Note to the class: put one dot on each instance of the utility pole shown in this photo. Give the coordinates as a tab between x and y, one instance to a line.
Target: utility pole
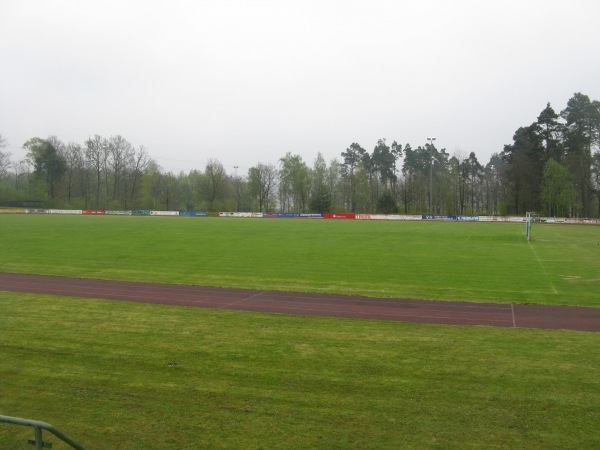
431	175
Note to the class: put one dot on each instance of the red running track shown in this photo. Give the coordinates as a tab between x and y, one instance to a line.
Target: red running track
405	310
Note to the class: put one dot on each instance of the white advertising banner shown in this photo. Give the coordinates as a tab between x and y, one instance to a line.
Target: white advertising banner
164	213
240	214
405	217
64	211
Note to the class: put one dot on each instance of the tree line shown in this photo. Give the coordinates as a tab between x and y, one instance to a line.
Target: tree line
551	167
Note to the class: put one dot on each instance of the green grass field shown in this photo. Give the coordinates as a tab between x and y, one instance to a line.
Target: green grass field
453	261
99	370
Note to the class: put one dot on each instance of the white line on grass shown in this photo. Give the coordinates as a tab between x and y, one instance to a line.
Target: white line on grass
242	300
512	308
543	268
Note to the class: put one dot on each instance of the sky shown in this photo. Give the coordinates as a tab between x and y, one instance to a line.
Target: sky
245	82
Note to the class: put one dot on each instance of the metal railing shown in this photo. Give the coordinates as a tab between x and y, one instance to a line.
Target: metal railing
38	427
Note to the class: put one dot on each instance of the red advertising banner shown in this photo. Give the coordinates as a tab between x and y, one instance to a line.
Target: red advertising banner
339	216
93	211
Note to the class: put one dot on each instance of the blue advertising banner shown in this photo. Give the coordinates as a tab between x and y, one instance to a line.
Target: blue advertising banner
192	213
280	215
433	217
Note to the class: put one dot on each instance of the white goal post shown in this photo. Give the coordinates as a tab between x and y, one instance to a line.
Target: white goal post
529	219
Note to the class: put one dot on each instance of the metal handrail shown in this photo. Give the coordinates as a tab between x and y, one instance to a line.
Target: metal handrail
38	427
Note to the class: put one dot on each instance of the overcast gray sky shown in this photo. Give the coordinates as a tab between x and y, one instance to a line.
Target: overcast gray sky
247	81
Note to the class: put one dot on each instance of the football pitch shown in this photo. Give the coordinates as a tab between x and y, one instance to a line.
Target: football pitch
484	262
128	375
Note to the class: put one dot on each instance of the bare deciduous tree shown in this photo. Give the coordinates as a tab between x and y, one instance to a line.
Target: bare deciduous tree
261	183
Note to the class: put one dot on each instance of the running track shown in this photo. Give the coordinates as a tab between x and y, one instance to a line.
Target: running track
424	311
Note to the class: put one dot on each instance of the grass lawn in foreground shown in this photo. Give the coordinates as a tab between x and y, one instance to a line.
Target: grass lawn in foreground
487	262
99	371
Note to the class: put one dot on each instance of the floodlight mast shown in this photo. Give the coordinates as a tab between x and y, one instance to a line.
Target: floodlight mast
431	176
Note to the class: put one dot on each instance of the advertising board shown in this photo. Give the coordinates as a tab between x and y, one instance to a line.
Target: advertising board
272	215
164	213
339	216
239	214
192	213
64	211
405	217
12	211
